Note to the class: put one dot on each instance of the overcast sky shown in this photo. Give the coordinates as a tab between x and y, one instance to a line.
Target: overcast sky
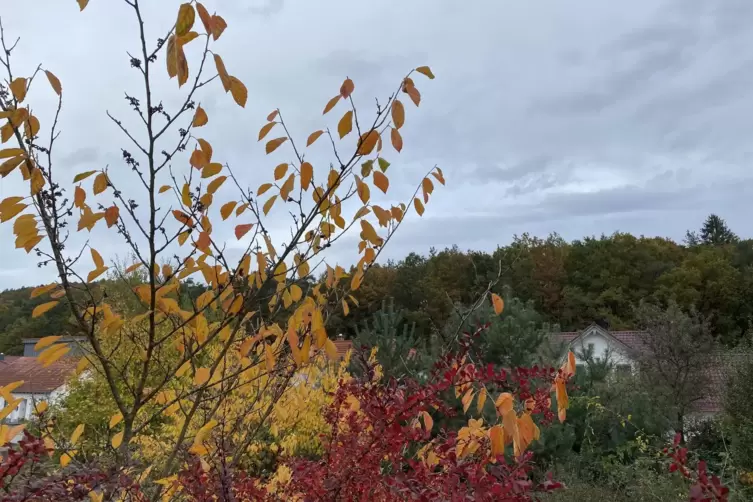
579	117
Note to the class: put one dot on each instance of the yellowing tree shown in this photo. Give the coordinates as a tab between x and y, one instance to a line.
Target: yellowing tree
218	367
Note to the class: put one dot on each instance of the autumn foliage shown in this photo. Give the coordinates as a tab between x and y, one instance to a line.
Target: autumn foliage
212	372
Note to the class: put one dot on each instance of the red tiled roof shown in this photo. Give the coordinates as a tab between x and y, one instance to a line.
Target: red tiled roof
719	369
36	378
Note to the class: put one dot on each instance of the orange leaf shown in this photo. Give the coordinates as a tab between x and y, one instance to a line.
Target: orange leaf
226	209
498	303
397	140
218	26
111	215
238	90
200	117
203	242
425	70
346	124
215	184
307	174
313	137
183	218
381	181
265	130
331	104
272	145
242	230
347	88
268	205
398	114
367	142
54	82
364	193
280	171
272	115
211	170
206	19
263	188
222	72
201	376
79	196
427	186
419	206
198	159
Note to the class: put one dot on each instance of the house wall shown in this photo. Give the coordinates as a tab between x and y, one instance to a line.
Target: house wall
25	410
602	345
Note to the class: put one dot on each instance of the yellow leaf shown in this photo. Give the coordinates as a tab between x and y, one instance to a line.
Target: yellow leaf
97	258
115	419
481	400
398	114
31	127
77	434
65	458
117	440
381	181
100	183
41	309
96	273
186	17
239	91
287	187
346	124
498	303
211	169
425	70
346	310
200	118
133	267
263	188
39	291
215	184
11	152
183	369
269	357
268	205
40	407
467	399
313	137
83	363
96	496
201	376
227	209
419	206
397	140
52	354
272	145
18	88
37	181
330	349
54	81
331	104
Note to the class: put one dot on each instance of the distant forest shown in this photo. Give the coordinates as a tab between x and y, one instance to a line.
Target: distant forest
570	284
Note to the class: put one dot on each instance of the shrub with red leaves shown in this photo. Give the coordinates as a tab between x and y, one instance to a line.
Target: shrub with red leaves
704	487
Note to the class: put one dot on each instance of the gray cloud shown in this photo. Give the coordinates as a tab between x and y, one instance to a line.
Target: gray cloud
632	116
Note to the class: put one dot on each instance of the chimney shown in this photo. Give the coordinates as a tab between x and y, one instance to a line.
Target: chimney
2	356
340	336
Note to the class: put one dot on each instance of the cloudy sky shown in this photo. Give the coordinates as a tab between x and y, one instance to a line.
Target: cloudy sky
580	117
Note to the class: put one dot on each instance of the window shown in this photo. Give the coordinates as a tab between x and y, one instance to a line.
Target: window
623	369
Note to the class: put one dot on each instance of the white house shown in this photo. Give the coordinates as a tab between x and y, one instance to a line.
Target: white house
39	383
624	349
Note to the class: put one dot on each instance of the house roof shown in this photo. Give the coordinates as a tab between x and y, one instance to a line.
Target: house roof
722	362
36	378
342	346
